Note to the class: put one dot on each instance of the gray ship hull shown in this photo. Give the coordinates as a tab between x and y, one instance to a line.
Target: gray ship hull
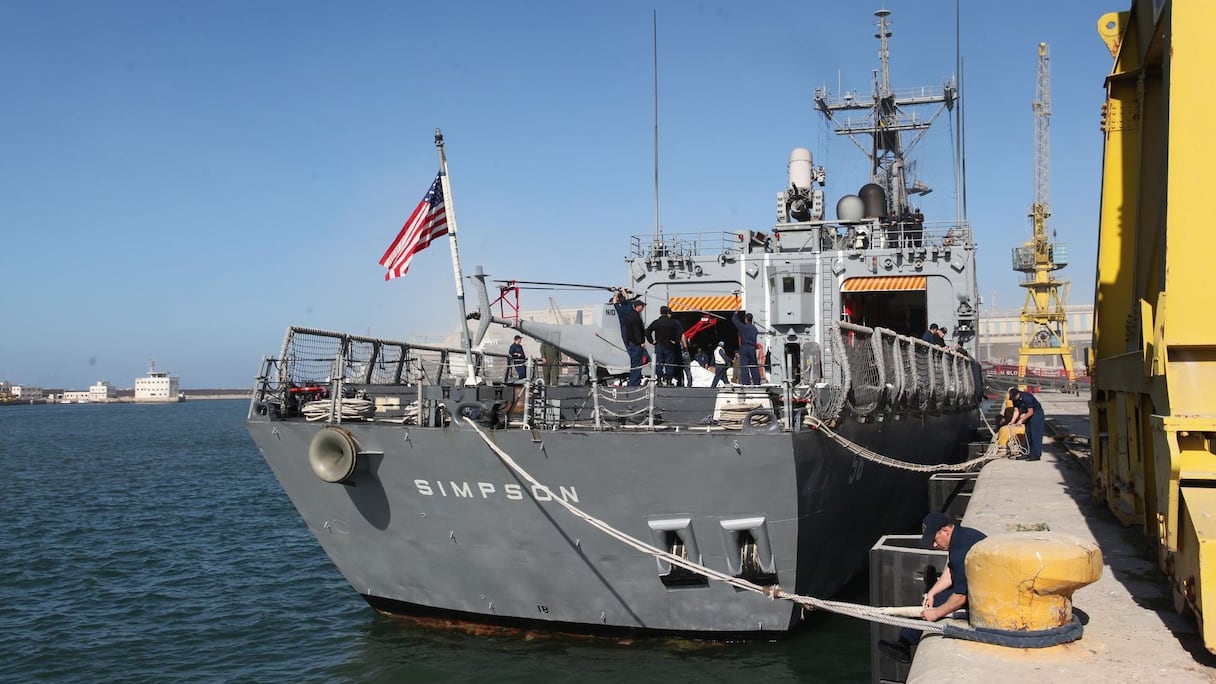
435	524
828	321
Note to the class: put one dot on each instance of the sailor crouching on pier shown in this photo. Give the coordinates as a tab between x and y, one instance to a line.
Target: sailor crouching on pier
949	593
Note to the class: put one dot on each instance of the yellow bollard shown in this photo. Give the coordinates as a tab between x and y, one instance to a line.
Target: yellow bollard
1025	581
1008	432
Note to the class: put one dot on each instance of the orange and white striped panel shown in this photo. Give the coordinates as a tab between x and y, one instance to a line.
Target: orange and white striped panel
884	284
717	303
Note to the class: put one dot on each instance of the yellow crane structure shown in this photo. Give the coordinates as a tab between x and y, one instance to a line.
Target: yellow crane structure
1044	322
1153	360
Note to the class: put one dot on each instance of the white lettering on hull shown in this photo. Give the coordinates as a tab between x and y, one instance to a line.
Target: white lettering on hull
488	490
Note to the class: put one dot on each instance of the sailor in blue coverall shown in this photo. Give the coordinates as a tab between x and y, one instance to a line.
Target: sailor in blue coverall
749	366
949	592
1029	412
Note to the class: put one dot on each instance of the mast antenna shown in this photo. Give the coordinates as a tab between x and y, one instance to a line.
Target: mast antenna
884	55
654	23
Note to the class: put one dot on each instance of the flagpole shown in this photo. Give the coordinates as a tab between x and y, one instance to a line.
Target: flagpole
450	209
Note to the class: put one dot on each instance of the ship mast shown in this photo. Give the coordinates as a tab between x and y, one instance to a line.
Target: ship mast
885	117
1044	321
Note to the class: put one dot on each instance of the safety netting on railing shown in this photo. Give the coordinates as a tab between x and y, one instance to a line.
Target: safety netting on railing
875	369
865	389
320	357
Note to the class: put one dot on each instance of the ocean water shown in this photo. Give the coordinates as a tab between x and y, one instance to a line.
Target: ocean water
151	543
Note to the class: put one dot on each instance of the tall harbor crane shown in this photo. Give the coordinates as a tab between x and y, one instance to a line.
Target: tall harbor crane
1044	324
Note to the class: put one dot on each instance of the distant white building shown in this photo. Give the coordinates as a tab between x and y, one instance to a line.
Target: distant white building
76	397
26	393
158	386
102	391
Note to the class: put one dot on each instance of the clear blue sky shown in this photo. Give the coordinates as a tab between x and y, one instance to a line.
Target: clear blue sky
181	181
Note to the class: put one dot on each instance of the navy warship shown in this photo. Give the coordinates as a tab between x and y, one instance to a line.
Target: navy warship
384	446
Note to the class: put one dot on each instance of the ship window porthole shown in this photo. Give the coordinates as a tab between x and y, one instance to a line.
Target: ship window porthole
808	284
787	284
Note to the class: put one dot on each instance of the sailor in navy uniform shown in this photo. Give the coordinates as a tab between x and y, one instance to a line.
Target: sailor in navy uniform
518	357
1029	412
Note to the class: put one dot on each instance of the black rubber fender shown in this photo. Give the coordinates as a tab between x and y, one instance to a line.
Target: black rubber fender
1040	638
774	424
460	410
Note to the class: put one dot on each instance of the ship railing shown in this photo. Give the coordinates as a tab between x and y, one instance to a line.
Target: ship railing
859	100
920	240
321	365
877	370
870	372
927	236
685	245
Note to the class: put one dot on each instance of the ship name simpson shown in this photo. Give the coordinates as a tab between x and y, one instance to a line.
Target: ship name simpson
512	492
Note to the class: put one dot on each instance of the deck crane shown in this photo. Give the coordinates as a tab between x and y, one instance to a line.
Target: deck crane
1044	322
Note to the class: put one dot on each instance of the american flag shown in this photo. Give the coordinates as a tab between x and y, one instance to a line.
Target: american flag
428	222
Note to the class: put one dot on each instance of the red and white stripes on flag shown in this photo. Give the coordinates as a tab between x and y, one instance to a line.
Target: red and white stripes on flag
428	222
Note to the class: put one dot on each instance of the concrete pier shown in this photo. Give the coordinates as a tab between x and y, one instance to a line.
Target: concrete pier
1132	632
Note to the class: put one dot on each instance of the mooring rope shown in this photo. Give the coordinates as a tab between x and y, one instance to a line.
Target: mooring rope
1016	449
349	407
990	454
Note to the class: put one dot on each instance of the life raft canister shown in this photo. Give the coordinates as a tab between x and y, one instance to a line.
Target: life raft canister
332	454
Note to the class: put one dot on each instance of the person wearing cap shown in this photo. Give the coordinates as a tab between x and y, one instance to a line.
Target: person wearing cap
721	364
666	334
749	366
1029	412
623	304
635	341
949	592
941	336
629	316
518	357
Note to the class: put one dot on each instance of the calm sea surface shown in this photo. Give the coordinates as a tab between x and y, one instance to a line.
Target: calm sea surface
152	543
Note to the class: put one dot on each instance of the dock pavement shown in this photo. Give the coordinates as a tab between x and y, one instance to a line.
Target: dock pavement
1132	632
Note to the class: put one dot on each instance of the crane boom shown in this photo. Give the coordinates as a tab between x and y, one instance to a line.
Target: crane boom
1042	143
1044	320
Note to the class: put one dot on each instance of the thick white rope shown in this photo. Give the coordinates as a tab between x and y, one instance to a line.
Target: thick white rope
887	615
350	408
990	454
